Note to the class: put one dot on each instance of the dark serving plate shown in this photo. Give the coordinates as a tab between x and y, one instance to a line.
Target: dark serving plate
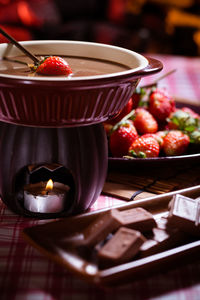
192	157
50	239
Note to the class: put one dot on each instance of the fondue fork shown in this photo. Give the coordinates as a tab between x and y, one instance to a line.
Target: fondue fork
19	46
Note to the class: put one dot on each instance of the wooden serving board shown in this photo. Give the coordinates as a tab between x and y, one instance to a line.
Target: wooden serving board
135	185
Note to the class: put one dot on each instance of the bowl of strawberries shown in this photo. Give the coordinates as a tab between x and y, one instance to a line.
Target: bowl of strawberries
152	129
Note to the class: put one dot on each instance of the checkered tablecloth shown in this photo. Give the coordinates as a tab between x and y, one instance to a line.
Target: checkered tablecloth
27	275
184	83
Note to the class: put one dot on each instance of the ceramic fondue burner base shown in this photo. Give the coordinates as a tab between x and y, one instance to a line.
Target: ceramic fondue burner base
74	156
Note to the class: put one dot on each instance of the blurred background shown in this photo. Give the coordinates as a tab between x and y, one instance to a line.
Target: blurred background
145	26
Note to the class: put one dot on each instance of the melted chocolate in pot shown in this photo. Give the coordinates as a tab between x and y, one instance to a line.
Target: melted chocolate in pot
80	66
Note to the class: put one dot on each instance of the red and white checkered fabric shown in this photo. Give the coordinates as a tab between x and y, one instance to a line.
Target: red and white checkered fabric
27	275
184	82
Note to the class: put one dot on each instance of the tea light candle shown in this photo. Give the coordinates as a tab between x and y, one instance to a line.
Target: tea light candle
45	197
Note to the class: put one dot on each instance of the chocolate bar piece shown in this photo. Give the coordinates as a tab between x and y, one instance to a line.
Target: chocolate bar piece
161	240
184	213
124	245
99	229
135	218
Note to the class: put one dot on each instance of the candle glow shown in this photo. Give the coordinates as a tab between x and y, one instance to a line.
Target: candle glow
49	185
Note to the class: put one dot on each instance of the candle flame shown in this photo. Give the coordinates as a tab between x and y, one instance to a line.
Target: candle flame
49	185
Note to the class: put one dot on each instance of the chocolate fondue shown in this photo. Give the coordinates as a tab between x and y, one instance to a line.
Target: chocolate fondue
81	66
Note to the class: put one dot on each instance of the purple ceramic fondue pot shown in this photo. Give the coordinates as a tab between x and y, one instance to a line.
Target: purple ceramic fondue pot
51	127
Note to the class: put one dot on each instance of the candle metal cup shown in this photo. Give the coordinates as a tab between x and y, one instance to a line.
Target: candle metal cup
38	199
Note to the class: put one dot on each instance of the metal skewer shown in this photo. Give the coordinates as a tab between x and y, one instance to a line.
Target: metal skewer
158	79
18	45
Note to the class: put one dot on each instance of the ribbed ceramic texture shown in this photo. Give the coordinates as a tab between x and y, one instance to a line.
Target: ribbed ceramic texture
47	105
81	150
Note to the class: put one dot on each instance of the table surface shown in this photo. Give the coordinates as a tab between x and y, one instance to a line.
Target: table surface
27	274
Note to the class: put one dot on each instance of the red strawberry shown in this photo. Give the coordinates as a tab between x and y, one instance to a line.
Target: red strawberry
175	143
161	104
107	127
144	121
144	147
121	139
191	112
138	97
54	65
156	136
126	110
161	135
182	120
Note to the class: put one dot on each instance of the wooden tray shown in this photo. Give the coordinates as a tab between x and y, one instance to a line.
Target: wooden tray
47	238
140	184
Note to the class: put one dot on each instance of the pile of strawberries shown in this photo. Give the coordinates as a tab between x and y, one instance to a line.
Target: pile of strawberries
151	125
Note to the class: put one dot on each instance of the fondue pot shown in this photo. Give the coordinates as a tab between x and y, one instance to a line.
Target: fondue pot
51	127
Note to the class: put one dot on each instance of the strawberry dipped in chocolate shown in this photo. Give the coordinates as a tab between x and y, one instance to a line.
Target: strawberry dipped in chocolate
53	66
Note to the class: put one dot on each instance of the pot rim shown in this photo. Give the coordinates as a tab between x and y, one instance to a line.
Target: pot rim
95	50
